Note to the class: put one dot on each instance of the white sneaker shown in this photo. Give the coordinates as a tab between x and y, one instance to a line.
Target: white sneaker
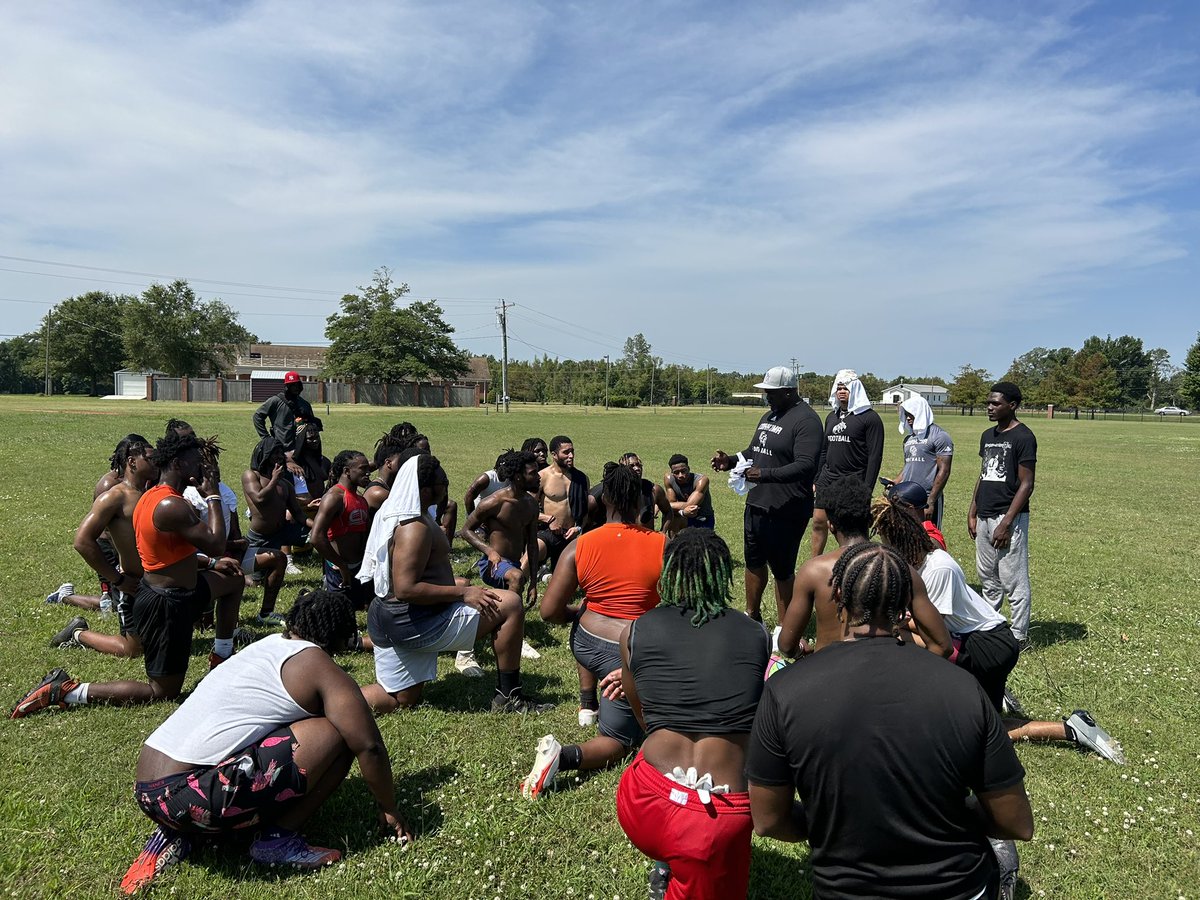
466	663
1083	728
775	638
527	651
545	767
292	568
588	717
65	590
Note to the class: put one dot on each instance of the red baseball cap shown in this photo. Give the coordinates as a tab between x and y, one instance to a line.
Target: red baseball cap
291	378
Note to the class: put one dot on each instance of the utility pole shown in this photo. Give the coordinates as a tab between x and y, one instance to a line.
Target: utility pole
652	368
503	317
606	366
795	368
677	370
49	384
708	372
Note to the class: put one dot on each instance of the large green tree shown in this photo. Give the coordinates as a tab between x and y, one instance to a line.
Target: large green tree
1130	365
970	387
1094	382
170	329
1189	382
17	358
87	341
374	338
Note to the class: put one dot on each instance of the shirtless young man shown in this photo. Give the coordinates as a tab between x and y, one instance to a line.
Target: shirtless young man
421	610
340	528
849	513
112	514
271	496
510	519
563	498
178	586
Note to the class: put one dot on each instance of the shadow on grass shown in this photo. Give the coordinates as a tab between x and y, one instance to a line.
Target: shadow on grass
457	693
1045	634
774	874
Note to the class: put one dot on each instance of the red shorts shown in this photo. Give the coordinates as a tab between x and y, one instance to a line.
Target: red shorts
706	846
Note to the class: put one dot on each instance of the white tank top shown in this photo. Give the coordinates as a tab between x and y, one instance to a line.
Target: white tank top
238	703
494	484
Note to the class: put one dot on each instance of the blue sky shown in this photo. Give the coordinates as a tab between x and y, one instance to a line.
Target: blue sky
894	187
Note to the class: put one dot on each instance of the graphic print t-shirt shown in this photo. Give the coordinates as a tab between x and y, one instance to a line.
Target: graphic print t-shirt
1000	453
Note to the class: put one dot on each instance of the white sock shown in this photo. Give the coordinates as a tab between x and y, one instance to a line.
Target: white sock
775	638
77	696
223	647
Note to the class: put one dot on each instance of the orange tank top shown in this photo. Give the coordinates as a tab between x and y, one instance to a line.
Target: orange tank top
158	549
618	567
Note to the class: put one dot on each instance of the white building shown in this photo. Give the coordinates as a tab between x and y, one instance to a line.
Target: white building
934	394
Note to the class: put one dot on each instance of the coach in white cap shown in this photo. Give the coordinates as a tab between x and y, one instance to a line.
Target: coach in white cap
783	459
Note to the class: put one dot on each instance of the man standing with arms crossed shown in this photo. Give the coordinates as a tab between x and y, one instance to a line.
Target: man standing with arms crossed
998	521
784	454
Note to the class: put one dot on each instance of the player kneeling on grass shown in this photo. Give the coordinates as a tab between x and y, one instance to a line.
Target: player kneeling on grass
261	743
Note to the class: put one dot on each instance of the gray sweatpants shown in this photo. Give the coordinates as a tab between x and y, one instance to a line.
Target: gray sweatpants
1006	571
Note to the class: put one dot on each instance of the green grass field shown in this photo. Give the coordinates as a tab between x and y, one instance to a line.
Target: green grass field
1116	614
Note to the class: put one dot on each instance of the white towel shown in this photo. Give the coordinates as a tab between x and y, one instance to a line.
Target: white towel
858	402
737	476
921	413
403	502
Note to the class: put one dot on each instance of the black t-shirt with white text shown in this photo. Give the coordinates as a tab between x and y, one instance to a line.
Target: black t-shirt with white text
853	446
883	742
787	450
1001	452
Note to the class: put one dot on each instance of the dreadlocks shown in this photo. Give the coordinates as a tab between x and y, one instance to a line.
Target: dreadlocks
697	573
430	471
177	425
341	463
623	492
902	531
324	617
872	581
387	447
172	446
132	445
511	462
531	444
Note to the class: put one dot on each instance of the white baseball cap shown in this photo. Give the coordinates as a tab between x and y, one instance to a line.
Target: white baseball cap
777	378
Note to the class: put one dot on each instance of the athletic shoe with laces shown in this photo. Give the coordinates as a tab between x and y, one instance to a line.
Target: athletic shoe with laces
515	703
243	637
658	879
292	568
164	848
52	691
545	767
65	590
588	717
1009	864
270	620
528	652
65	639
465	662
1012	706
286	848
1082	728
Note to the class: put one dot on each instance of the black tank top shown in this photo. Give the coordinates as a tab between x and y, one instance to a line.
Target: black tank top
704	680
683	489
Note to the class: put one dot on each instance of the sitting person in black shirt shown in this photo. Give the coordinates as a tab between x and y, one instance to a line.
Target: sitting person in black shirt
901	763
693	675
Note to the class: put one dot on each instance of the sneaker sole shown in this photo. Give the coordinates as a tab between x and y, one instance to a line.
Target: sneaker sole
535	783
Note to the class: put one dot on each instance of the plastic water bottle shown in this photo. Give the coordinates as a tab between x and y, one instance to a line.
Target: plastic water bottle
106	604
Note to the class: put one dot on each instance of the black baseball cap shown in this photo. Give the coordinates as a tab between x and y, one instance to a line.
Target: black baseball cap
908	492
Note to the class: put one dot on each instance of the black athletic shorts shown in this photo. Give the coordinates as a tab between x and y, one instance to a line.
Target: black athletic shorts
989	656
772	538
361	593
290	535
109	552
163	619
555	545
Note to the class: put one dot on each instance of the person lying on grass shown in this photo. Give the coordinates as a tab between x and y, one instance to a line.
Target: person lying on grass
261	744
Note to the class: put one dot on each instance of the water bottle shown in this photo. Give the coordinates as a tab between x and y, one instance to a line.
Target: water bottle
106	604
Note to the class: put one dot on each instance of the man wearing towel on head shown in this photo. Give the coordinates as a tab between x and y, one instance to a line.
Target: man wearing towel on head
928	454
853	446
420	609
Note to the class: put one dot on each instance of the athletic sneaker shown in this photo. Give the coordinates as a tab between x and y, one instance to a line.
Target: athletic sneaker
270	620
1012	705
515	703
527	651
465	662
588	717
292	568
215	659
1024	644
1009	864
52	691
65	590
65	639
1082	729
164	848
287	848
775	633
545	767
243	637
658	880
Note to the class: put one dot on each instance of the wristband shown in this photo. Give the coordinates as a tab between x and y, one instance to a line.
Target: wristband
210	499
212	563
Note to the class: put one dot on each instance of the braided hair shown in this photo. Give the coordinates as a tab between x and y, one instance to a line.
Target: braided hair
898	529
870	581
623	492
697	574
402	430
132	445
531	444
324	617
177	425
342	462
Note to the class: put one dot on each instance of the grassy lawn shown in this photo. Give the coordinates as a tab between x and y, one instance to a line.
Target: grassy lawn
1116	612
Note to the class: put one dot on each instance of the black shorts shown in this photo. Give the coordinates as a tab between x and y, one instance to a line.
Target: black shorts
109	552
361	593
555	545
772	538
989	656
239	792
290	535
163	619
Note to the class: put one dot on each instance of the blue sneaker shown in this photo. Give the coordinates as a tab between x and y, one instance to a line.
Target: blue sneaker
65	590
286	848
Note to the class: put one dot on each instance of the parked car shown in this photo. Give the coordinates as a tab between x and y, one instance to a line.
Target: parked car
1171	411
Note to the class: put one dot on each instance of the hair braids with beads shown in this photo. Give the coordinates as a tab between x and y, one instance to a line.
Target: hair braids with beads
872	581
697	574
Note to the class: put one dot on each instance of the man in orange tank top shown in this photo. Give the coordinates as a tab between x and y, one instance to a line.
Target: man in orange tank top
184	574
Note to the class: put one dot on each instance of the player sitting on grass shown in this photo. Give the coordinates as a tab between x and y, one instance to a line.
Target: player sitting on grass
261	744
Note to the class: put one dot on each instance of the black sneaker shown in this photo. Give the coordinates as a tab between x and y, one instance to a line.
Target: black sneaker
515	703
1012	706
65	639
